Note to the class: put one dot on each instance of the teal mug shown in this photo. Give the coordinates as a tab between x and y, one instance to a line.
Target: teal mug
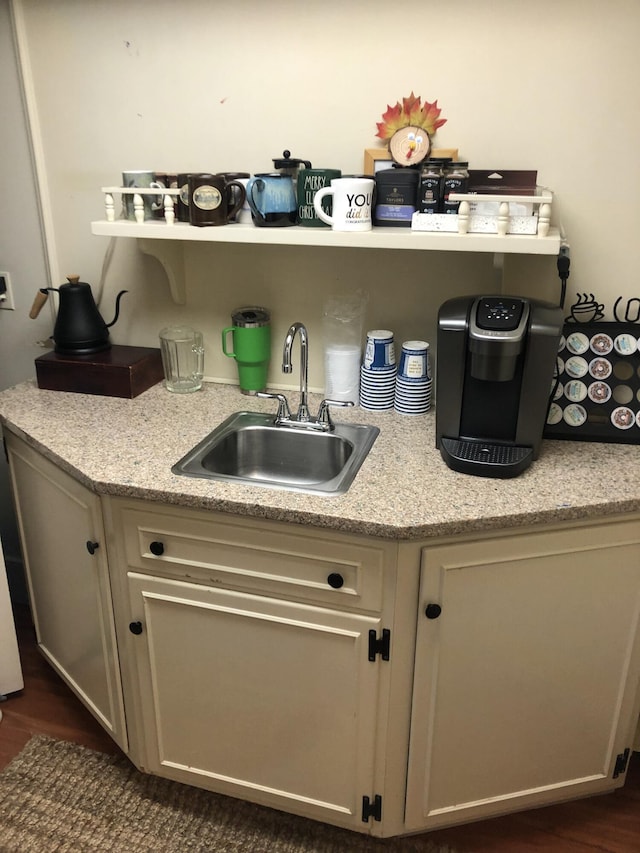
251	347
272	200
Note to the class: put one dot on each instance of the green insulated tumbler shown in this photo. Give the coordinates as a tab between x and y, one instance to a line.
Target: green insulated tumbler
251	346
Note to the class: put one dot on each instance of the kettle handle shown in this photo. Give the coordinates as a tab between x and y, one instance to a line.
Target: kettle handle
118	298
42	294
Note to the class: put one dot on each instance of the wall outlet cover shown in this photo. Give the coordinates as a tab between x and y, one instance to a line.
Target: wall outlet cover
6	293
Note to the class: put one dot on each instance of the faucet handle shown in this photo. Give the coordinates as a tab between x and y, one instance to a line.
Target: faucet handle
283	413
324	415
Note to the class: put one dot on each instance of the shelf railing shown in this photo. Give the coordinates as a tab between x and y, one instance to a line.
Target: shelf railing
168	201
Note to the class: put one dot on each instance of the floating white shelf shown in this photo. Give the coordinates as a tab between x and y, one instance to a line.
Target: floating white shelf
297	235
165	241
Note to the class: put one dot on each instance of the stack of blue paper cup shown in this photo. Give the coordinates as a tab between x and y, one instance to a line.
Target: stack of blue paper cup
378	371
413	381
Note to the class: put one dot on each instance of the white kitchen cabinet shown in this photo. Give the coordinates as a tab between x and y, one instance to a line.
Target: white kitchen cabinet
257	673
65	559
256	697
527	662
386	687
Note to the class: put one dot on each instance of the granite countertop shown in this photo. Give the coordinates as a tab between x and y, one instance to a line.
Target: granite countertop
403	491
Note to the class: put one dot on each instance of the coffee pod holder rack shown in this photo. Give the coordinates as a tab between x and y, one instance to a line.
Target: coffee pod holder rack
597	387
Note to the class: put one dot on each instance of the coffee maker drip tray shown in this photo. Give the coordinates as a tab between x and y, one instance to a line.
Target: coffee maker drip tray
484	459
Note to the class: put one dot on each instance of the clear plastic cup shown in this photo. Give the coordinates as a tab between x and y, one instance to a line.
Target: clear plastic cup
342	372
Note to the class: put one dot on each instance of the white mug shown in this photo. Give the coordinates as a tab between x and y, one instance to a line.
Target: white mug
352	201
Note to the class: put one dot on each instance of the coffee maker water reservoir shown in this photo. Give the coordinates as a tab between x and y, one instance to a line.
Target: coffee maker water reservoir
495	368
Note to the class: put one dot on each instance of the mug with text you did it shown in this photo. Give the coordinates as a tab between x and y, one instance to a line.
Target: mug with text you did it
352	202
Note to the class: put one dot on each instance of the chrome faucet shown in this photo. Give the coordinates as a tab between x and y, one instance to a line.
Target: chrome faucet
303	409
303	419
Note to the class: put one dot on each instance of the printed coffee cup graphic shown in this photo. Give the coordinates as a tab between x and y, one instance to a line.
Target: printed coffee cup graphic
586	310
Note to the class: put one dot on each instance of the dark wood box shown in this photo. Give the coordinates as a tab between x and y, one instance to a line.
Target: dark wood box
117	372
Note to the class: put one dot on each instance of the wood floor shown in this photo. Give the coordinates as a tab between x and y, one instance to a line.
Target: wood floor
46	705
605	824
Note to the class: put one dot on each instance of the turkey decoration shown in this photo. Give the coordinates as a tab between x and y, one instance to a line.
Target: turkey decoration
408	127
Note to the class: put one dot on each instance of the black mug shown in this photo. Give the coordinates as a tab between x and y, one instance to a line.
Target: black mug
211	199
182	201
243	178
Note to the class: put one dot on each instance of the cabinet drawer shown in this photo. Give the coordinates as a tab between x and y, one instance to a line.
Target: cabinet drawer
225	551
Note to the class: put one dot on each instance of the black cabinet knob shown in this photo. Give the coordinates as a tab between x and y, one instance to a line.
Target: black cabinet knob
432	611
92	547
157	549
135	627
335	580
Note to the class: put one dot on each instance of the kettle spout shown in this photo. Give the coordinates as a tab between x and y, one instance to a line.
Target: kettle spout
115	319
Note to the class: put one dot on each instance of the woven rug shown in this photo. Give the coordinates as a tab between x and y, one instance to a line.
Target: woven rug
57	797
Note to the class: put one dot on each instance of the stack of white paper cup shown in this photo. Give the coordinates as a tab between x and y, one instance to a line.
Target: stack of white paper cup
342	372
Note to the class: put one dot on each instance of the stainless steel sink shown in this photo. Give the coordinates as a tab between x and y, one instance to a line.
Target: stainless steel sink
248	448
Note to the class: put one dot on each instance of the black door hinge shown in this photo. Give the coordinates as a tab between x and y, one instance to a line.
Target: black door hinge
621	763
372	809
379	646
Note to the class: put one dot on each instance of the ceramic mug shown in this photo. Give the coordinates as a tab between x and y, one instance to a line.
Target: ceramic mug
272	199
144	179
213	200
182	200
310	181
352	202
244	213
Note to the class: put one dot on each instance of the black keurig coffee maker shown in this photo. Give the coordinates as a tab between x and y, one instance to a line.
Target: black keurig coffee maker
495	368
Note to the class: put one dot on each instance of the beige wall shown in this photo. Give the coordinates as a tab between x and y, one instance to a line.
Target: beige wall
204	85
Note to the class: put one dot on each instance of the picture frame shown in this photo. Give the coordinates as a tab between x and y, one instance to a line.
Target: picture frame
376	159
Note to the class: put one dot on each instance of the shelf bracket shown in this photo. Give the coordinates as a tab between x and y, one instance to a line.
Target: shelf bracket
170	254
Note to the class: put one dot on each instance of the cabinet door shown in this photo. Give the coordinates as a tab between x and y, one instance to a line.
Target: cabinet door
267	700
526	683
68	587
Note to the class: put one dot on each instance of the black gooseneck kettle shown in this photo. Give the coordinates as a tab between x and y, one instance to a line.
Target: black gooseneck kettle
79	327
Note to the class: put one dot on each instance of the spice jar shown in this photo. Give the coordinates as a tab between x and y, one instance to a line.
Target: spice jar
430	187
456	180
